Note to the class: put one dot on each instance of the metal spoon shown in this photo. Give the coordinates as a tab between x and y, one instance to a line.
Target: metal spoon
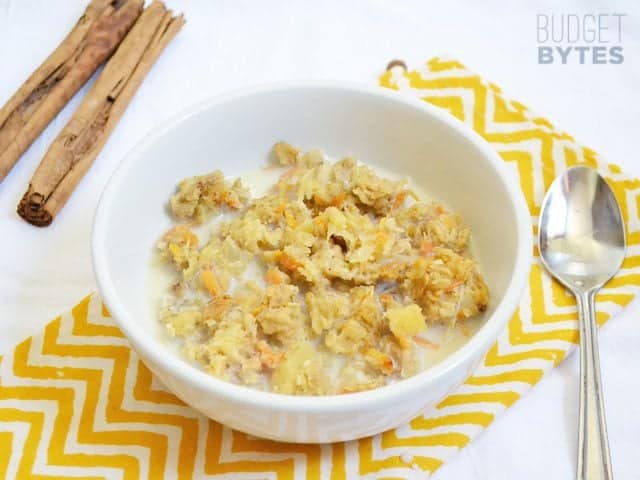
582	243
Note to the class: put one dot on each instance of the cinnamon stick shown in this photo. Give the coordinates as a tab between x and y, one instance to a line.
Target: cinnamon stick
93	39
76	147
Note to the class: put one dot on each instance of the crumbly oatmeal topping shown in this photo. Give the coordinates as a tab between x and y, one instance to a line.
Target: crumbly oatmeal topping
354	268
199	198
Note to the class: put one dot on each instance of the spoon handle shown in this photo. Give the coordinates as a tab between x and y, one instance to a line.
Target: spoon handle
594	461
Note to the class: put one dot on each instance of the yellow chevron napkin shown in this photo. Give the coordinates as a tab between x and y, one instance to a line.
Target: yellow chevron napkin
76	401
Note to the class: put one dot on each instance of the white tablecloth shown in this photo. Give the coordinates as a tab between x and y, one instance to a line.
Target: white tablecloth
233	43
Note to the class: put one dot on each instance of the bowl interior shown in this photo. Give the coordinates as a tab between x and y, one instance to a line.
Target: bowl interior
235	134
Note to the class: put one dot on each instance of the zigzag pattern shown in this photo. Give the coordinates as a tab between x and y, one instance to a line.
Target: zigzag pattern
76	402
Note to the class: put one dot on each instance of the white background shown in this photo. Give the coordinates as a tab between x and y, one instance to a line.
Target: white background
230	44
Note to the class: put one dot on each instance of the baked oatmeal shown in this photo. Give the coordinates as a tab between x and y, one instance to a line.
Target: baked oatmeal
352	270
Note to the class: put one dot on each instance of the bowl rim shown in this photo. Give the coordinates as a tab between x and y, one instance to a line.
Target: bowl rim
152	349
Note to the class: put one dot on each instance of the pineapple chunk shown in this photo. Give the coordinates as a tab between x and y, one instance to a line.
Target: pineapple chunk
183	323
405	322
285	153
301	372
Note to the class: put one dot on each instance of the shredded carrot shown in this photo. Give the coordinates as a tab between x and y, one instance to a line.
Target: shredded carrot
216	307
210	283
380	359
454	285
288	262
183	233
440	209
274	277
426	248
338	199
387	364
423	342
268	357
386	299
399	199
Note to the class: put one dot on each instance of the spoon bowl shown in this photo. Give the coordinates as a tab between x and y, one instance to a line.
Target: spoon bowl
582	243
582	240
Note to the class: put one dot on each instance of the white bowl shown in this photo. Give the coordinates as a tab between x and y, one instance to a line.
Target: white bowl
234	133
